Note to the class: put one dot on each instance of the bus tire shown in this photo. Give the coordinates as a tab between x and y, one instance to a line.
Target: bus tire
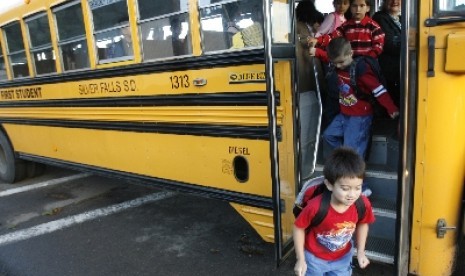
11	168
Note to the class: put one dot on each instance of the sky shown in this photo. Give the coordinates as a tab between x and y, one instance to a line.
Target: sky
6	4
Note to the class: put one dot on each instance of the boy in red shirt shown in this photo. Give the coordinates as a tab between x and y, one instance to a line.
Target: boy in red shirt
352	126
326	249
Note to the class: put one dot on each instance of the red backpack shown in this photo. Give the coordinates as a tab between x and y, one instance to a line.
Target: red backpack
313	188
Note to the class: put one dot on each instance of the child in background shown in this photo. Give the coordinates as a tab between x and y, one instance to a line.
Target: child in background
308	20
309	79
389	60
326	249
365	35
334	19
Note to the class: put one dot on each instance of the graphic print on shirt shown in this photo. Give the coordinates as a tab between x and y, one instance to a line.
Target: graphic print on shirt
345	97
338	238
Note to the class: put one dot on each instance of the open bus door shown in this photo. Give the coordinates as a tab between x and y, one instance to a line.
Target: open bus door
279	55
283	241
294	118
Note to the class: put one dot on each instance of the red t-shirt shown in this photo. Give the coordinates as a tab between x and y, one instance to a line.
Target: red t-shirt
330	240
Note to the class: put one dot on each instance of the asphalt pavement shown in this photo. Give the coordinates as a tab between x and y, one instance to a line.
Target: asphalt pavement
176	235
89	225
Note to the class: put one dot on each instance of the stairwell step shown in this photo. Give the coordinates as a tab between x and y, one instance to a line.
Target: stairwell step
379	250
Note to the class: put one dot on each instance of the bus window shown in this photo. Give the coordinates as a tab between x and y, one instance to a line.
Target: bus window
41	44
450	6
281	21
15	50
231	25
164	28
3	75
111	30
72	41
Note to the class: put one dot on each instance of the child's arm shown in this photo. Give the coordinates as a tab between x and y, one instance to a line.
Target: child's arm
326	25
299	242
377	42
319	53
361	237
386	101
370	82
321	41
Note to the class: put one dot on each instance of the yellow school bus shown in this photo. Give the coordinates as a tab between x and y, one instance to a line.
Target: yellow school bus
205	97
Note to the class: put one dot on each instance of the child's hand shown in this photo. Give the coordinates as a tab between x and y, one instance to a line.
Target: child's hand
394	115
311	41
312	51
300	267
362	260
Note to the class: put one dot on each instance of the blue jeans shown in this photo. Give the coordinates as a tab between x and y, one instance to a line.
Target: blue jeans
320	267
350	131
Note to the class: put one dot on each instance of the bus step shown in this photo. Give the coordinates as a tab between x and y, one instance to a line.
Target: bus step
384	188
379	250
383	207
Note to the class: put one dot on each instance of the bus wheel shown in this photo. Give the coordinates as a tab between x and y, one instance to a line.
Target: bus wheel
11	168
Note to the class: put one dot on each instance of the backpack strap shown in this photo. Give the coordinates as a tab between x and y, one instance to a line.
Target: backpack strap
361	208
357	68
331	82
354	72
322	209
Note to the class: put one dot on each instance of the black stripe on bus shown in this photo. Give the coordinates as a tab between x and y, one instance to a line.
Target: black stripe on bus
210	99
255	56
230	196
246	132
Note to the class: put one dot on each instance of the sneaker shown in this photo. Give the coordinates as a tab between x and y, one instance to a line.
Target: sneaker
366	192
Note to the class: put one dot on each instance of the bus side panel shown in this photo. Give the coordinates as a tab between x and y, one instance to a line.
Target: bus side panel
440	161
160	125
205	161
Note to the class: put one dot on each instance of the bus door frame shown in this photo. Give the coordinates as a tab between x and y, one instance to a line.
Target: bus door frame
408	122
272	51
274	154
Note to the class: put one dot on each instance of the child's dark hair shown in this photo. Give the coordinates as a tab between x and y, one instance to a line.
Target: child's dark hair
344	162
307	13
337	47
367	2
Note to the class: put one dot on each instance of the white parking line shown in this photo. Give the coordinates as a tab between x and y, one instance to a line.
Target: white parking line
59	224
43	184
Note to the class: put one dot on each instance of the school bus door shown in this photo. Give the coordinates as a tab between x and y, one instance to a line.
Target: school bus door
279	55
440	151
